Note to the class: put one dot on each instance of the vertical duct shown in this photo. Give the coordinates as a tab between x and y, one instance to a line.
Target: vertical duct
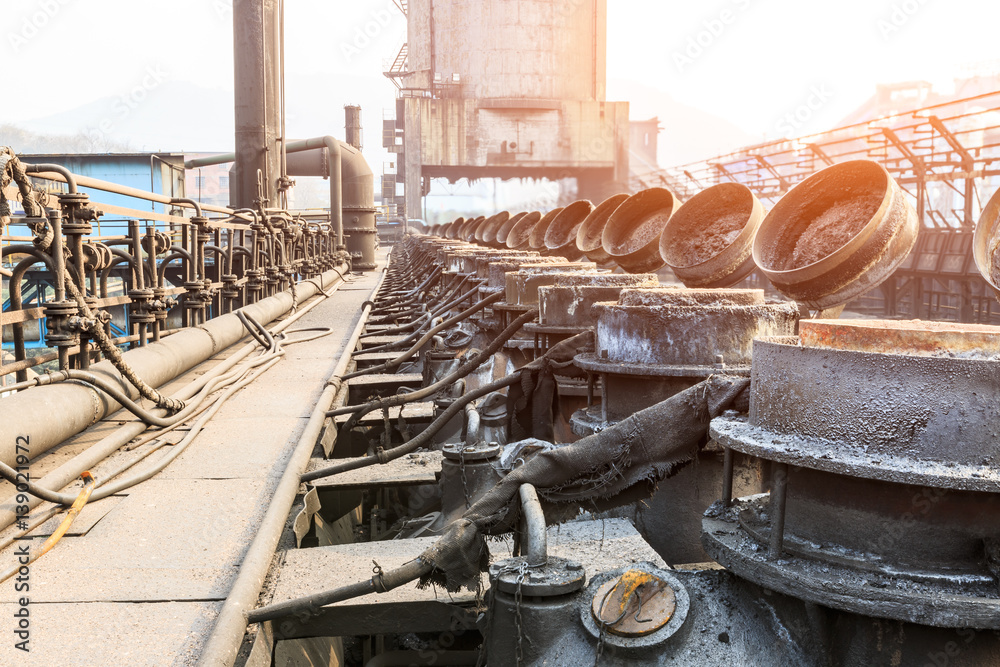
359	208
258	113
352	124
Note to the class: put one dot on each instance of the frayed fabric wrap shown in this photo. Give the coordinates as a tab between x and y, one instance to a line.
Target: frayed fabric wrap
616	466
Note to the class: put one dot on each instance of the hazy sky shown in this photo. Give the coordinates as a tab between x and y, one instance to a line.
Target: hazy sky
748	61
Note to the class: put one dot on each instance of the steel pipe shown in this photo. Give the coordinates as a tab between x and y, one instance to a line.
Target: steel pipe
534	540
28	414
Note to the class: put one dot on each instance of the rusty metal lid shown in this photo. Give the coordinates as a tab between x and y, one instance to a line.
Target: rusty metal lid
634	607
913	337
588	236
635	604
632	234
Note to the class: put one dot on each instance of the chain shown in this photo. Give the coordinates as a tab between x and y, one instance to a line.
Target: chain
522	570
600	643
465	479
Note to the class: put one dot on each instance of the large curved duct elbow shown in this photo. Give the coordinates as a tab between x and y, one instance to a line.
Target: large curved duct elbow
352	191
352	188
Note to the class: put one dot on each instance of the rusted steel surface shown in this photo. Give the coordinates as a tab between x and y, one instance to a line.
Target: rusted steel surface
915	337
497	275
632	234
680	327
708	242
522	286
920	408
886	440
836	235
568	301
589	236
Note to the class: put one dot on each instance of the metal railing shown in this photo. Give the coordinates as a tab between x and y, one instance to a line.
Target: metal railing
183	271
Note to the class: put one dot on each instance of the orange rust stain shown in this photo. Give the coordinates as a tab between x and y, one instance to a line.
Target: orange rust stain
914	337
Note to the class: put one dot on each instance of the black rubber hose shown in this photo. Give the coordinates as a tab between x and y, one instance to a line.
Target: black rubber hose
423	318
433	331
418	441
472	364
403	342
391	366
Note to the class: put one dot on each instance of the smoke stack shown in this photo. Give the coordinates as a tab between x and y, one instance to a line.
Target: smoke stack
352	114
257	70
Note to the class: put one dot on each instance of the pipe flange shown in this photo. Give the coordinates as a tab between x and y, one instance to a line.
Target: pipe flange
481	451
558	576
943	603
590	362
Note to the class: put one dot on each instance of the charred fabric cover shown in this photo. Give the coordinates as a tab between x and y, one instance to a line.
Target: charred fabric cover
533	403
614	466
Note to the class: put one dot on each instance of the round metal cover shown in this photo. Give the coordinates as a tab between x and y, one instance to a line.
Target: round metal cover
635	604
667	618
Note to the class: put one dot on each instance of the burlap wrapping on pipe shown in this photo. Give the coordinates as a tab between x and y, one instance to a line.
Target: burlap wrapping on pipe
614	466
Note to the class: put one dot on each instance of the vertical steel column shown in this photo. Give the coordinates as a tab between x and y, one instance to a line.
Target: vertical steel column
779	494
256	72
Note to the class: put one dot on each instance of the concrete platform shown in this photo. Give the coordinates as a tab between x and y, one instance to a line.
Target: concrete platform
365	387
140	578
421	412
411	470
601	545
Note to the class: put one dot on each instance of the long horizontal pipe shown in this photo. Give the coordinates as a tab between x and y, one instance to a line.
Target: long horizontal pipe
26	418
69	471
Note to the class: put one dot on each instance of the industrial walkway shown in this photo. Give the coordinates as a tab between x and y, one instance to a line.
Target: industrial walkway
141	577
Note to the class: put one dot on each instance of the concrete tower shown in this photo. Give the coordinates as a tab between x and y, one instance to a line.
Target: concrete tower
509	89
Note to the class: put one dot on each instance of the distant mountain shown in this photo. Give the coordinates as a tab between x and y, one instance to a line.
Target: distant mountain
163	115
689	134
179	116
